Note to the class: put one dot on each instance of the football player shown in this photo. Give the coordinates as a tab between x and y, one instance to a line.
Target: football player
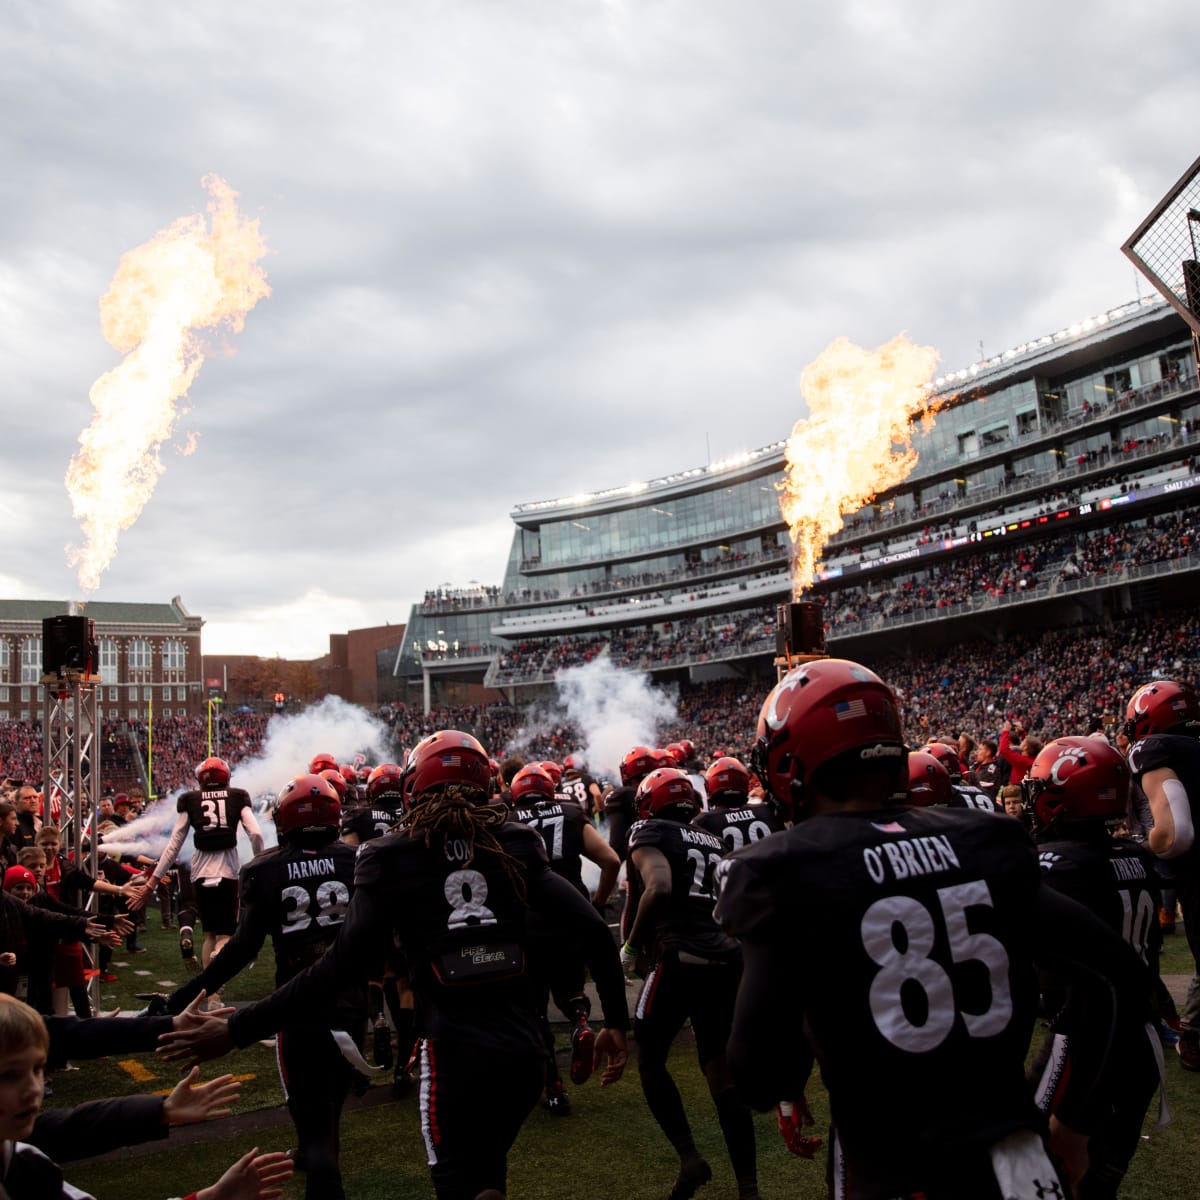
296	893
1075	786
730	815
388	977
620	805
579	786
569	837
213	813
964	794
1162	720
693	974
455	885
916	987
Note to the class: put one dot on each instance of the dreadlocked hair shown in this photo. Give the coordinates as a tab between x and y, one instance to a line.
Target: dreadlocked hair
452	813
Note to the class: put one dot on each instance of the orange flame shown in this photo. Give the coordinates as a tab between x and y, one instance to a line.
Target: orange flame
855	442
183	280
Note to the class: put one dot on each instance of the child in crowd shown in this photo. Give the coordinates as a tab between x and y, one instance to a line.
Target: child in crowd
27	1174
68	883
1010	795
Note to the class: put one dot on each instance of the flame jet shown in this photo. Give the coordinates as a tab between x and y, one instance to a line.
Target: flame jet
187	278
855	442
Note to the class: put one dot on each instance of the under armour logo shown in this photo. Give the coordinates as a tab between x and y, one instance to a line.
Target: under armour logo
1049	1189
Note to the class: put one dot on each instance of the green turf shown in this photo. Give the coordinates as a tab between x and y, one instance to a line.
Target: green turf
608	1148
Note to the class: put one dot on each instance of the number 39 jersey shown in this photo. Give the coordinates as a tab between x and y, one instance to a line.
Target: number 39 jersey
685	924
299	898
903	936
214	815
738	827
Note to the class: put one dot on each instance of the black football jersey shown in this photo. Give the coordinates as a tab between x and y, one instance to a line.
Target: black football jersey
575	789
737	827
620	811
368	822
463	930
298	898
1113	877
214	815
905	940
561	825
1181	755
684	925
967	795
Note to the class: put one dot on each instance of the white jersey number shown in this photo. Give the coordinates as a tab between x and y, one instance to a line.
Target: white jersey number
332	898
912	965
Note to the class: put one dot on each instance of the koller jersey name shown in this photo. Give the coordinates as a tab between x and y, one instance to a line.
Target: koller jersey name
910	856
310	868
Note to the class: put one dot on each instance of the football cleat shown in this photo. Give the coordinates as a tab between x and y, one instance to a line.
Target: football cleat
583	1051
694	1173
555	1101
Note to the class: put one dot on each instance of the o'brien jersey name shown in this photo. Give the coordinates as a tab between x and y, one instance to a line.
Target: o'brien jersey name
909	856
310	868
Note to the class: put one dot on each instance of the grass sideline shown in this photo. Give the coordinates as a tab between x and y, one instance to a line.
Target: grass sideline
608	1147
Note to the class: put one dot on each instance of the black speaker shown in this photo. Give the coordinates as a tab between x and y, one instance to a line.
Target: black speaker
69	644
800	628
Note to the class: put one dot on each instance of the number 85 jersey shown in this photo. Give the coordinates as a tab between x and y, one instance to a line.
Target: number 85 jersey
902	941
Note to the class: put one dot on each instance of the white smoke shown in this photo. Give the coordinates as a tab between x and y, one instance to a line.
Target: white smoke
332	725
614	710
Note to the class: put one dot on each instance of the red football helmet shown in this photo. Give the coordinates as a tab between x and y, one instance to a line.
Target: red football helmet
677	753
727	782
213	773
662	757
948	757
636	765
1075	779
494	768
816	713
1163	706
689	749
530	784
386	780
336	780
574	762
667	793
553	770
928	780
446	758
309	804
349	774
322	762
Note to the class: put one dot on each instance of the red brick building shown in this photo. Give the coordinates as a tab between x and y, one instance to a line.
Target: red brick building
149	654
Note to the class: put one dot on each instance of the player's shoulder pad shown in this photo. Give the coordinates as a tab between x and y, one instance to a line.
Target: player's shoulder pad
1149	754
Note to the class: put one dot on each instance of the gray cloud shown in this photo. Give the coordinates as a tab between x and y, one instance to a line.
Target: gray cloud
519	250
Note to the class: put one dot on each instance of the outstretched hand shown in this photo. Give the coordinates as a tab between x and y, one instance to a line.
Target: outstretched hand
610	1045
197	1036
252	1177
191	1102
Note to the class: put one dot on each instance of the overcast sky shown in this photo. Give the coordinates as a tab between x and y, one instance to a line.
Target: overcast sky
522	248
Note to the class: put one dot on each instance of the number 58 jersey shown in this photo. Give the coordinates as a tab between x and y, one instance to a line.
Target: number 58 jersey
903	945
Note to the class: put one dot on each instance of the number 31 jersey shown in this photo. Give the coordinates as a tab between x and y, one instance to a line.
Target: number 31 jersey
214	815
903	937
